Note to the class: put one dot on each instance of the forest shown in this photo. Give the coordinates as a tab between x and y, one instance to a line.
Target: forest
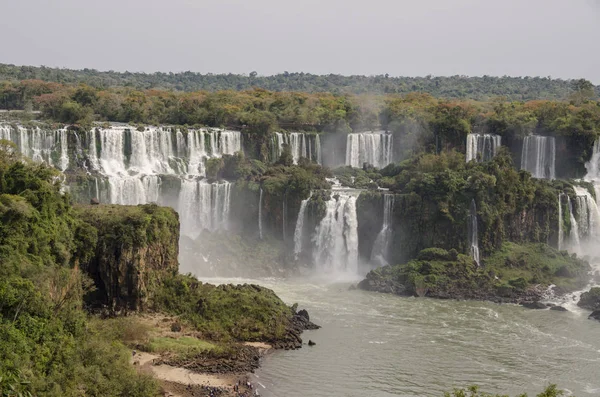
478	88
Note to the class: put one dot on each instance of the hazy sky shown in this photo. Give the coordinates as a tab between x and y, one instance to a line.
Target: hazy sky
558	38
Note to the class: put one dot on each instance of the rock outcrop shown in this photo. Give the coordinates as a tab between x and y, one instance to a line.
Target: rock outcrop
137	247
590	300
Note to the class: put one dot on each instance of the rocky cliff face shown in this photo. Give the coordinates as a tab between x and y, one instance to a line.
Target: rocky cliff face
137	248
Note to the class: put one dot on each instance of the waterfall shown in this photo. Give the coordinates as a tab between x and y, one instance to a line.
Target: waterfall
538	156
301	145
482	147
593	166
588	219
373	148
318	149
205	205
47	146
260	227
299	230
560	224
574	233
336	236
472	232
143	166
380	251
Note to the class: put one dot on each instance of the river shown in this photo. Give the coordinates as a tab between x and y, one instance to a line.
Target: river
373	344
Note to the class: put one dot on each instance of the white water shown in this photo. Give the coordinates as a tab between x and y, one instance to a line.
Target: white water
561	236
136	165
336	236
472	232
50	146
574	233
539	156
204	206
381	247
301	145
373	148
299	230
157	152
260	220
482	147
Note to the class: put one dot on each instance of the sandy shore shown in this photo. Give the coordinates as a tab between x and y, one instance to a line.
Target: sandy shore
181	382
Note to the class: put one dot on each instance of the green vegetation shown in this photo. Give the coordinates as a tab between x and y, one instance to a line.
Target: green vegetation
48	345
518	88
473	391
139	247
419	121
225	312
590	300
511	273
184	345
433	194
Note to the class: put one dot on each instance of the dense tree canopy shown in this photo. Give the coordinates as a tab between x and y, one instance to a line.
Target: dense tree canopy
481	88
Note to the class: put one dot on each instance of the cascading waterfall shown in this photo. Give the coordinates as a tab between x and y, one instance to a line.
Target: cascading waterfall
588	221
574	233
50	147
380	251
472	232
318	149
373	148
206	206
143	166
539	156
299	230
561	236
260	220
482	147
336	236
301	145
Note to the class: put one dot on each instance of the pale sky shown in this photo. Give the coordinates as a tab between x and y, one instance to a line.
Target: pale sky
558	38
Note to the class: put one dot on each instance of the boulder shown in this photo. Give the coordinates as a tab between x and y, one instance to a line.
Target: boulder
534	305
311	343
558	309
94	201
590	300
595	315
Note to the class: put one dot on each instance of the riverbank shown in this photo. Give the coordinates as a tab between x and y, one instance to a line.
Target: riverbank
185	362
374	344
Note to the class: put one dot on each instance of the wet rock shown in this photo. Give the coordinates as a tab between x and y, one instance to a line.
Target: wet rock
558	309
550	305
590	300
595	315
94	201
534	305
383	285
311	343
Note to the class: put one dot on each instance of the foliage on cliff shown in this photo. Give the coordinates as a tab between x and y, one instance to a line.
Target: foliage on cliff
518	88
419	121
138	248
514	273
48	347
433	194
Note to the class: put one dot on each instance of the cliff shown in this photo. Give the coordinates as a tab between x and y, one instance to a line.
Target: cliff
137	248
